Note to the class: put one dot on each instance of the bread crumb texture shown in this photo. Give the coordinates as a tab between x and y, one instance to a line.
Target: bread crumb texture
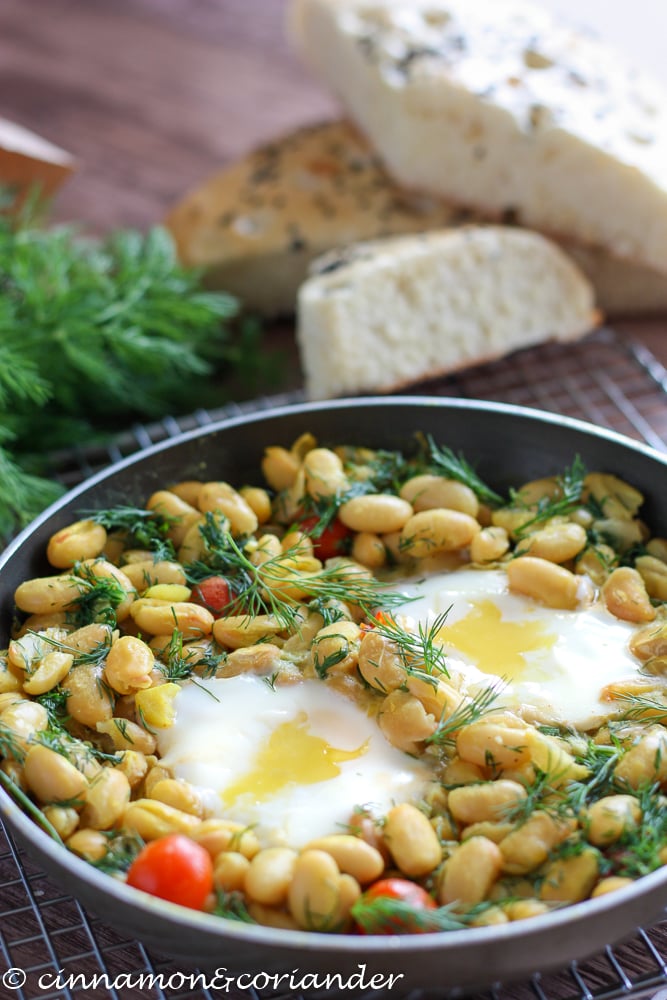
400	310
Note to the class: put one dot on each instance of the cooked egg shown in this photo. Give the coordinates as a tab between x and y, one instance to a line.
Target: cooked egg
291	761
554	664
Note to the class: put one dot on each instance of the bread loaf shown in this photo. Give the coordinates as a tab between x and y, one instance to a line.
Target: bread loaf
497	105
403	309
256	225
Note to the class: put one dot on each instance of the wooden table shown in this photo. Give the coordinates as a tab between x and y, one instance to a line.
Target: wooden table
153	95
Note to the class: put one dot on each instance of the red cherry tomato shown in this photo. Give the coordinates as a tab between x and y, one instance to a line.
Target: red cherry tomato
212	593
384	920
333	540
174	868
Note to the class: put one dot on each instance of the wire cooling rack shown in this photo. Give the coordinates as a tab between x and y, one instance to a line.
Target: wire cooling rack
44	933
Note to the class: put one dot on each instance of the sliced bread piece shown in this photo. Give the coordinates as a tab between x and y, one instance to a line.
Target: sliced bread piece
497	105
395	311
256	225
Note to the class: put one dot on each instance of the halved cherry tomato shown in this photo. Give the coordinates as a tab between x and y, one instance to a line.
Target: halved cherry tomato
333	541
213	593
174	868
375	916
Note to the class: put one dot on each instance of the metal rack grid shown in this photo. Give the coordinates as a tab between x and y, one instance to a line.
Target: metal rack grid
603	379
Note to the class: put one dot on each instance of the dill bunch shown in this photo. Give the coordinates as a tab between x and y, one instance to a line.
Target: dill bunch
94	335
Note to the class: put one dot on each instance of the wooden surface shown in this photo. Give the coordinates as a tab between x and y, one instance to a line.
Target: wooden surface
153	95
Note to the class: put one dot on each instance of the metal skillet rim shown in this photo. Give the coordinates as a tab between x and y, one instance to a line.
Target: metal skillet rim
308	941
344	403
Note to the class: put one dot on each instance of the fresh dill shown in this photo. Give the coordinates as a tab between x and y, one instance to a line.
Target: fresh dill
121	850
25	802
96	332
541	793
330	611
96	655
322	666
9	747
641	707
231	905
178	663
601	761
480	705
420	652
638	850
265	589
55	703
383	915
457	467
142	529
98	599
570	488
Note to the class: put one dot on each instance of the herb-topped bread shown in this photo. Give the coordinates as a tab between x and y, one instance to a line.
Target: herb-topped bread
395	311
495	104
256	225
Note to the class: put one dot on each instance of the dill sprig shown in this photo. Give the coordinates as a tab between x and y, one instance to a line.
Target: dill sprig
570	490
641	707
420	652
98	599
457	467
231	905
95	655
479	705
382	915
143	529
601	760
95	334
9	746
178	664
25	802
121	850
638	850
55	703
542	793
259	589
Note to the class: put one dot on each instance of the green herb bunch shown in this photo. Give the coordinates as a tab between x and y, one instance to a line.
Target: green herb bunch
93	335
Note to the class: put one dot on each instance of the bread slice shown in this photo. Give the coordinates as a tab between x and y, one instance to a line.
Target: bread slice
28	162
497	105
407	308
255	226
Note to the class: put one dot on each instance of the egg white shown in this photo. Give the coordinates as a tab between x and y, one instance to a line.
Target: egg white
223	726
559	680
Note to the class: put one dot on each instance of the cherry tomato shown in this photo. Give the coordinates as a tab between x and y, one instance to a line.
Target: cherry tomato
212	593
386	920
174	868
333	540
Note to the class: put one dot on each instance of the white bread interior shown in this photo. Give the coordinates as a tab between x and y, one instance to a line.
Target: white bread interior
408	308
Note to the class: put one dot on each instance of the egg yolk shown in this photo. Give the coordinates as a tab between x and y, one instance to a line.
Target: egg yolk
494	645
290	754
